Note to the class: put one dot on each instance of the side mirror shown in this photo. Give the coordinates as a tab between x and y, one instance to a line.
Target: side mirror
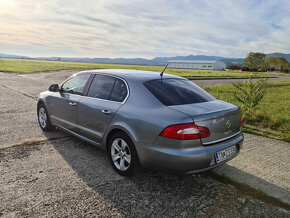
53	88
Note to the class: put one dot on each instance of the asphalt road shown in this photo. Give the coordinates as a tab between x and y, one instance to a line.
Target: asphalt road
68	177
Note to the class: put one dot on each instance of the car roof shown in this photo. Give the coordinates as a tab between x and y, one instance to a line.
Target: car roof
140	75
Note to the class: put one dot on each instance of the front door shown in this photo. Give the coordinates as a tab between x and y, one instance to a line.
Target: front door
63	105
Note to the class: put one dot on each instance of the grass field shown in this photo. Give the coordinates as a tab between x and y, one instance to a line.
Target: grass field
272	116
32	66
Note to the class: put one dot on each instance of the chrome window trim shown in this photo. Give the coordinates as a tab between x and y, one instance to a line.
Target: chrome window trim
98	73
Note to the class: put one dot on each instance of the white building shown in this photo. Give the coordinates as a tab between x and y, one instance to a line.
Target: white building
199	65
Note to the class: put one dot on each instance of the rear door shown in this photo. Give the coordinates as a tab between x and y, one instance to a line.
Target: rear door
63	105
95	111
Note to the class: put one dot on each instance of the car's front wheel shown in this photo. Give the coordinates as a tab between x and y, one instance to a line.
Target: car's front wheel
123	155
43	118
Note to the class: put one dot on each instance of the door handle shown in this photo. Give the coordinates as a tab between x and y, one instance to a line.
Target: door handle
106	112
72	104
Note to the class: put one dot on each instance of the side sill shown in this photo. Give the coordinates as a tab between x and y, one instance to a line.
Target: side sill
79	136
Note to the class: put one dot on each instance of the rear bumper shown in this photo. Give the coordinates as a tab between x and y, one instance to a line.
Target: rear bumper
184	156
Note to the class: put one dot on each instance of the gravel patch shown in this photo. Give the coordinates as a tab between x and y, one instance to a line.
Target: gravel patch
18	119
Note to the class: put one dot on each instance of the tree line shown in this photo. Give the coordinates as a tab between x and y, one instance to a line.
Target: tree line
256	61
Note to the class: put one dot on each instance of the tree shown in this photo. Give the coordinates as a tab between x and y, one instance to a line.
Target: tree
270	63
288	68
254	60
282	64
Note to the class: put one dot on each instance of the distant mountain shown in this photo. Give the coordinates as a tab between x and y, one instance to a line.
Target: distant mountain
131	61
278	54
189	57
141	61
12	56
162	60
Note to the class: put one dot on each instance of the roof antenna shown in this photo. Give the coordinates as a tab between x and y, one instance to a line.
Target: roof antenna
161	74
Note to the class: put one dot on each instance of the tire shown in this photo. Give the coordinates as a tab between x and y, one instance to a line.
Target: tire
122	154
43	118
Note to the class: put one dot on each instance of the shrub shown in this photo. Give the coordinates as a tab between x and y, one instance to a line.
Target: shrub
234	67
249	94
244	68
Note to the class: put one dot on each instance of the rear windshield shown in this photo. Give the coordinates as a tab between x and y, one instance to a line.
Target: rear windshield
177	91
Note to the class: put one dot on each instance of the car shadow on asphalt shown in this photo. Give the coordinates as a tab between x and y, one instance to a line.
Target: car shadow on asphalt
149	193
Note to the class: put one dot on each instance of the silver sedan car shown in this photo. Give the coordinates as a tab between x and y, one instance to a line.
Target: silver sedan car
144	120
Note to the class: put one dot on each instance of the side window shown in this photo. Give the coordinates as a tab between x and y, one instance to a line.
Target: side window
101	87
119	92
76	84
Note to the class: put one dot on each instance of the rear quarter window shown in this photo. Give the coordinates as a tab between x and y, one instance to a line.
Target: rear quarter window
119	92
177	92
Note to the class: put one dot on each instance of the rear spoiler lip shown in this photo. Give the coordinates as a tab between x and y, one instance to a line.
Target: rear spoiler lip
221	140
215	114
203	115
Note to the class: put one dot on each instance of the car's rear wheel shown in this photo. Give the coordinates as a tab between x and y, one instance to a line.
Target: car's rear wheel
123	155
43	118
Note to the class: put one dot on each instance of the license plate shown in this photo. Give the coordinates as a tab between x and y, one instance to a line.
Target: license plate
225	154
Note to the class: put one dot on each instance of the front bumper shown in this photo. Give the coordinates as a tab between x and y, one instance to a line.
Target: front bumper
184	156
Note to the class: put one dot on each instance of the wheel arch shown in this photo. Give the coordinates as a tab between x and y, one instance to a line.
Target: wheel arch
114	130
42	101
39	102
122	130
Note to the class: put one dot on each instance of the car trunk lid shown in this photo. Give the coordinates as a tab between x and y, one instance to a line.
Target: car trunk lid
221	118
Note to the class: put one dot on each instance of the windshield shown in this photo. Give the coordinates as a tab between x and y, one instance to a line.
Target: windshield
177	92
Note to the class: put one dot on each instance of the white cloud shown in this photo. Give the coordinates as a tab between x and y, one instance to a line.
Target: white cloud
135	28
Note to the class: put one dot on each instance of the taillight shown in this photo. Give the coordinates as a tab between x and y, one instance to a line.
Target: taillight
185	131
241	122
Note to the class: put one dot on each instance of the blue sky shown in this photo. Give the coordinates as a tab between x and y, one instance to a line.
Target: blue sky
148	28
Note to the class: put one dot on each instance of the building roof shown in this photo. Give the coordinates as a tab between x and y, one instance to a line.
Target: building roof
192	61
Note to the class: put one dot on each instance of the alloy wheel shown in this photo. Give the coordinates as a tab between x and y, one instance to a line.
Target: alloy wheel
42	117
120	154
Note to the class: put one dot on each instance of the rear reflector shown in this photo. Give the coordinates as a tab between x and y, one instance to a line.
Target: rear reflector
185	131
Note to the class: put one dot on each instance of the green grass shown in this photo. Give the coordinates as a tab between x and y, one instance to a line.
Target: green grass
265	132
272	116
32	66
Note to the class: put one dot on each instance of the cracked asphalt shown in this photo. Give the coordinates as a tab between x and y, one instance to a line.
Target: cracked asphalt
67	177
